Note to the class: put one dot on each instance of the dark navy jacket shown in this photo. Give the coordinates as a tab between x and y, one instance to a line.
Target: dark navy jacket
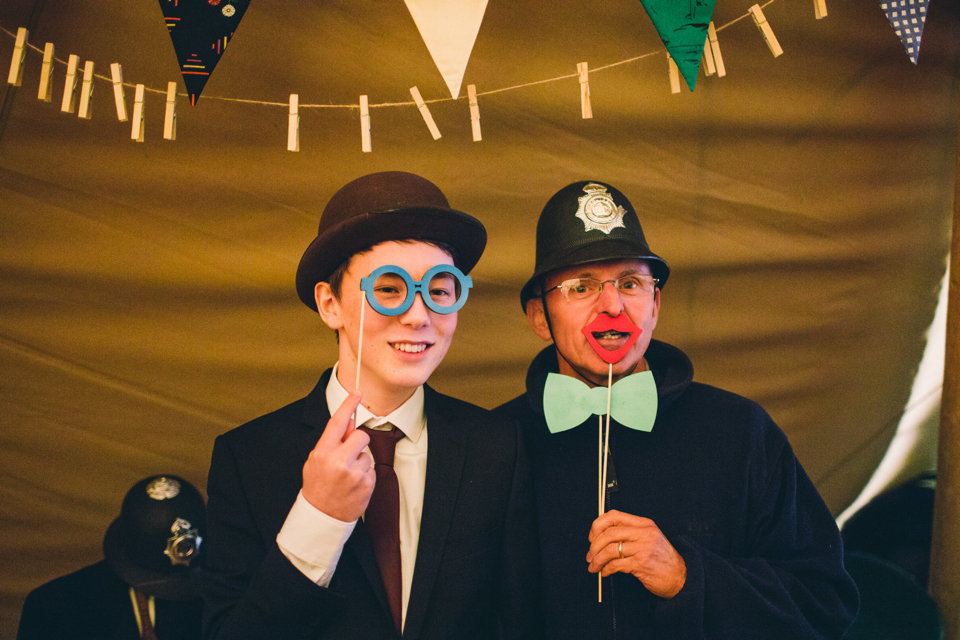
763	554
475	576
94	604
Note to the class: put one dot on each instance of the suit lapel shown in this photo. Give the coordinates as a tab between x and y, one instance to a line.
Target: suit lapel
315	418
446	452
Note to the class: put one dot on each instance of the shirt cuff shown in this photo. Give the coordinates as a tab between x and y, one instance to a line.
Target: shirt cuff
313	541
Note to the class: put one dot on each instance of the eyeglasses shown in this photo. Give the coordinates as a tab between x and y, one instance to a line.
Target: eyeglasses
589	289
390	289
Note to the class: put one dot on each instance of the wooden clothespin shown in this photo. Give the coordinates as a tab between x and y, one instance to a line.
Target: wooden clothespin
474	111
709	66
586	111
820	9
425	112
45	91
15	77
136	131
715	50
170	115
766	30
293	123
86	91
674	74
365	143
69	101
116	75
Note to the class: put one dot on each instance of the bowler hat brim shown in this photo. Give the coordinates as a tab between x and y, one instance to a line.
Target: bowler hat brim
428	223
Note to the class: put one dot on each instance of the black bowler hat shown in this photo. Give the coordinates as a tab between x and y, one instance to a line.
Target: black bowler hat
390	205
155	543
588	221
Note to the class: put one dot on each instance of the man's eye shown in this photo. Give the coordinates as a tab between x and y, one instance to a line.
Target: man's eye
440	293
629	283
387	290
580	287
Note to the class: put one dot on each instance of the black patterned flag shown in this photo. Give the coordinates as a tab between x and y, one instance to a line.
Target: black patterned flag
682	25
907	18
200	31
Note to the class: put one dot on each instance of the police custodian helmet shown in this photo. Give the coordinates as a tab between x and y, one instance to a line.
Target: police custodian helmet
155	543
588	221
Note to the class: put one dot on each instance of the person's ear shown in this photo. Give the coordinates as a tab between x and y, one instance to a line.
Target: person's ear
328	306
537	317
656	305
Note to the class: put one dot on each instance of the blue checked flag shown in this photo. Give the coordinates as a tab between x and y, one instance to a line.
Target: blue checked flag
907	17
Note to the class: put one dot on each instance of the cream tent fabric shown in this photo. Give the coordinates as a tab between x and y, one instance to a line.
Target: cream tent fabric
146	289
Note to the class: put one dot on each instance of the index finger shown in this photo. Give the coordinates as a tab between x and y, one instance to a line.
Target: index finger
612	518
340	424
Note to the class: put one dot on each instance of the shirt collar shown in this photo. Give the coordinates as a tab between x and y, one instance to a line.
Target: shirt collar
409	417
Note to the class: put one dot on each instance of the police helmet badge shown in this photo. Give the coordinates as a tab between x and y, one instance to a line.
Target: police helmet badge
163	488
184	544
598	210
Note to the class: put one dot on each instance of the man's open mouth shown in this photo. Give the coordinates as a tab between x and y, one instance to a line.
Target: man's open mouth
611	334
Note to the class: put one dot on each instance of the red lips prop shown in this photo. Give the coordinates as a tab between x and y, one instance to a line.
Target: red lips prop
603	323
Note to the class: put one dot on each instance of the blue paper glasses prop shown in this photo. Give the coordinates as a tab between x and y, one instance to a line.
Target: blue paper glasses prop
390	290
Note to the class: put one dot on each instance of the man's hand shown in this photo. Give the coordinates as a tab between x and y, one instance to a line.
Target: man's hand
338	476
646	552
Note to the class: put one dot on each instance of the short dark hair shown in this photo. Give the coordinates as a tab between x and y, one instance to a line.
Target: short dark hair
336	278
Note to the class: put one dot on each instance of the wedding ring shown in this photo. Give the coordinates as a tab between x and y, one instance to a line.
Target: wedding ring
620	549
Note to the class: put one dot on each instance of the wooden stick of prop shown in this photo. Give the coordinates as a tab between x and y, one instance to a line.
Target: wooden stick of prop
356	380
606	454
599	491
606	439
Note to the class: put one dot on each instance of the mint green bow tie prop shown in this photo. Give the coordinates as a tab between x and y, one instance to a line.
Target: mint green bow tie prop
567	402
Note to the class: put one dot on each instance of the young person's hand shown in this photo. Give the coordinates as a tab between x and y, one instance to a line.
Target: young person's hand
338	476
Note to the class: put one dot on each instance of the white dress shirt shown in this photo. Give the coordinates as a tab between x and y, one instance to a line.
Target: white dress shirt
313	541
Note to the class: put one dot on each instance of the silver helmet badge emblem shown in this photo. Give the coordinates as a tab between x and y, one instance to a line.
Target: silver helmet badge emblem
598	210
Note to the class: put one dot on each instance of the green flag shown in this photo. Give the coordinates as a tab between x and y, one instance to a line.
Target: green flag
682	25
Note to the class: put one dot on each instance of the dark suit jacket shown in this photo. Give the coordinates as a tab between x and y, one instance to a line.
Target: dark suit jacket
476	567
94	604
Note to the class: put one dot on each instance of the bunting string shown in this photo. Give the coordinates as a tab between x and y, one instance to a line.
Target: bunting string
406	103
755	11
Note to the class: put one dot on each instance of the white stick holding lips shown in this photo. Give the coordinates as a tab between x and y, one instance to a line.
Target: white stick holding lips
604	453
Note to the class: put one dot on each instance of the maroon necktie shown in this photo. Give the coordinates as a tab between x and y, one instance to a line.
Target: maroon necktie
383	515
143	607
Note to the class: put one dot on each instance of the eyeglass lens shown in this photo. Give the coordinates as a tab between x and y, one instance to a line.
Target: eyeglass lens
578	289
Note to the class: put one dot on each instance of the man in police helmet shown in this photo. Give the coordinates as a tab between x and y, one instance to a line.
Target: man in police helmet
711	527
144	587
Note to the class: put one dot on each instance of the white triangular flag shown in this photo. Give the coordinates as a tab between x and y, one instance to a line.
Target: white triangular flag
449	30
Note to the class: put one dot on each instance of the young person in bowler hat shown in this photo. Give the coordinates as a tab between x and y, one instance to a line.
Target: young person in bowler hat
711	527
311	533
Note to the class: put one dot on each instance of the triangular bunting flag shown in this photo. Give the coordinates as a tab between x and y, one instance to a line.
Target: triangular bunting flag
200	31
907	18
683	28
449	29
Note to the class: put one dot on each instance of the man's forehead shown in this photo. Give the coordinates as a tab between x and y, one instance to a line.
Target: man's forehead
611	268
